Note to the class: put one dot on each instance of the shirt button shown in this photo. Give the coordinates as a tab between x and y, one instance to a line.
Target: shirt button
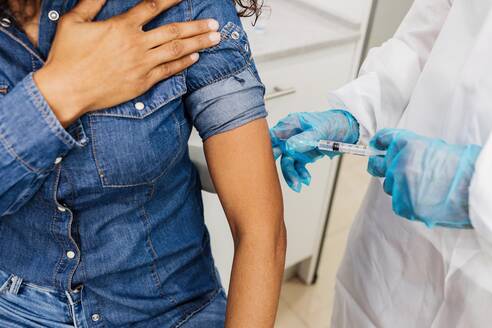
95	317
58	160
235	35
5	22
62	209
84	142
71	254
140	106
53	15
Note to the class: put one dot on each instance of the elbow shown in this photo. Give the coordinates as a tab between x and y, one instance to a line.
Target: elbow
281	244
267	239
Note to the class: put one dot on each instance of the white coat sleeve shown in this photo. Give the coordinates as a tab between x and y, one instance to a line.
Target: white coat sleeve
379	96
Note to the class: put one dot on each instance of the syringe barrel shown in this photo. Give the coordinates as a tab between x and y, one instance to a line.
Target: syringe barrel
359	150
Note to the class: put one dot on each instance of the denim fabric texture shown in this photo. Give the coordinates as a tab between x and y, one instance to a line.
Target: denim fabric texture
24	305
109	210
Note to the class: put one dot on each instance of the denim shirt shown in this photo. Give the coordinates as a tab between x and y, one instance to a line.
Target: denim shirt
111	207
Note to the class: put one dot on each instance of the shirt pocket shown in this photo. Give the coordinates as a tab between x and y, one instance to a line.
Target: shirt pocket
136	143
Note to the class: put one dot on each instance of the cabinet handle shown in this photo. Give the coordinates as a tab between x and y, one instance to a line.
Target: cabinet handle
279	92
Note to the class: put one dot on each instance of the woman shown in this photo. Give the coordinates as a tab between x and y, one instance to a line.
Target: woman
101	212
434	79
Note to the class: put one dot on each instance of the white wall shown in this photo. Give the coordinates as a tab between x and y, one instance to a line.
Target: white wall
351	10
388	16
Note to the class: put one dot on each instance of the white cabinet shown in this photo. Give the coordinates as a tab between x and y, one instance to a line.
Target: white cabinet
301	56
310	75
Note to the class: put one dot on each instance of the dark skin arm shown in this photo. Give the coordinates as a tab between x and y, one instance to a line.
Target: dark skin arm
243	170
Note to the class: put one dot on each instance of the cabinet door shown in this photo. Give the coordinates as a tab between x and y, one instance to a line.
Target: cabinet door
293	84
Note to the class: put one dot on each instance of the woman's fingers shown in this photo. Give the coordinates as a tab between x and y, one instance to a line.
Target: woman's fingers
180	48
165	71
147	10
175	31
86	10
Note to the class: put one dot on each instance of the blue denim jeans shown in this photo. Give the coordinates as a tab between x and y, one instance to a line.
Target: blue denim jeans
26	305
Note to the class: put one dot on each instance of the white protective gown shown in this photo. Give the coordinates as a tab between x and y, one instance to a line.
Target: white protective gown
433	77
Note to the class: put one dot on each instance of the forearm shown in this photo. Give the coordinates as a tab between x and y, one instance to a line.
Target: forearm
32	142
256	280
245	177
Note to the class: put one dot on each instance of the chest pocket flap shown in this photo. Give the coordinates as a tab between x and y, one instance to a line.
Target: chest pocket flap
137	142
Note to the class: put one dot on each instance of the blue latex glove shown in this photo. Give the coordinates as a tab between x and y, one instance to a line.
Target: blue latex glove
427	178
296	138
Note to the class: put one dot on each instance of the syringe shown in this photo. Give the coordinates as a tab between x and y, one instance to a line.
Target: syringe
340	147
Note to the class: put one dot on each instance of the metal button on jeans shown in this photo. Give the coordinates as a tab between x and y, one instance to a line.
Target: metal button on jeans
58	160
71	254
95	317
235	35
53	15
5	22
62	209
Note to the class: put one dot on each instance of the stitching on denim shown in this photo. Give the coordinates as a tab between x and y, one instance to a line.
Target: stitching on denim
95	308
71	306
100	173
15	285
5	285
41	288
38	102
225	77
73	189
33	63
55	236
11	151
75	266
60	257
196	311
22	44
147	113
153	269
190	11
226	33
163	173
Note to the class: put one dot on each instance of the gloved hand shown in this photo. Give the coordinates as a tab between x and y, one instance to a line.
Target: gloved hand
427	178
296	138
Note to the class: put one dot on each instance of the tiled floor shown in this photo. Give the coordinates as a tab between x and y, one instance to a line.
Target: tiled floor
304	306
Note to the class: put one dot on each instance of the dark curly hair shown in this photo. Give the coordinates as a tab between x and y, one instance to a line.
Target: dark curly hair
247	8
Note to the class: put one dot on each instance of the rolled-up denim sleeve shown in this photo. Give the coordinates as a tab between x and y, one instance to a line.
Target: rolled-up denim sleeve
31	139
227	104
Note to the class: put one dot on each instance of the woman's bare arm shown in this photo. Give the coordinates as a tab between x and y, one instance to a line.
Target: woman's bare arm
243	170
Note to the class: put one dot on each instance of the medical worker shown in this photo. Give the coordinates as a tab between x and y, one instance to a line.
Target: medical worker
425	96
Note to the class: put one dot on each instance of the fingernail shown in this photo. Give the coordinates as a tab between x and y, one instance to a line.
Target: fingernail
194	56
213	25
214	37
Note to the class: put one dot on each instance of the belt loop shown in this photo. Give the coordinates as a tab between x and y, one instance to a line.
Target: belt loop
6	284
15	285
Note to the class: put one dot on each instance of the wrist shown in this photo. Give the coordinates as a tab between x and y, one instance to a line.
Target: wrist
59	92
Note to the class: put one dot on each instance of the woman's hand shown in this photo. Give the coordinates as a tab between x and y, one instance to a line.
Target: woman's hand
96	65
